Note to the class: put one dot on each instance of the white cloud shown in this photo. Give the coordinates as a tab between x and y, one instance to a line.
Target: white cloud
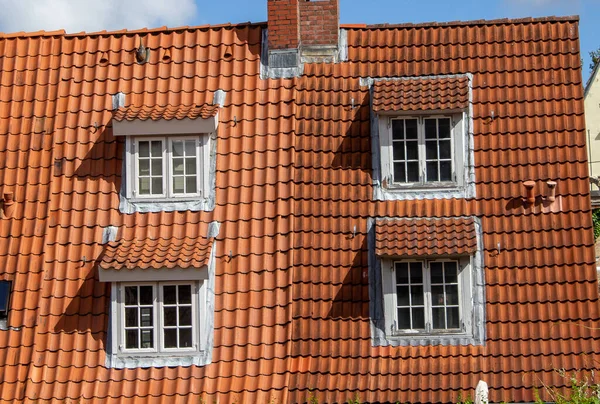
93	15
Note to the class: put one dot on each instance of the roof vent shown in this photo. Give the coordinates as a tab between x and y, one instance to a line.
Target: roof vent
142	54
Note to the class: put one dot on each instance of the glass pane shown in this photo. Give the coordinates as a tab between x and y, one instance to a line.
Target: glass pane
156	167
144	167
445	149
146	295
445	171
190	147
402	293
147	339
444	128
191	185
185	294
157	186
399	172
146	316
401	272
438	318
4	295
451	272
171	338
437	272
398	129
190	166
131	295
403	319
131	317
412	150
411	129
452	294
131	339
418	315
178	167
416	294
437	295
430	129
144	149
157	148
177	148
416	272
178	185
170	294
398	151
413	171
170	316
431	150
432	171
453	320
185	338
144	185
185	316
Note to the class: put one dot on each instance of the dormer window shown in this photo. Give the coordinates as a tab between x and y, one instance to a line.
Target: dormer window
5	287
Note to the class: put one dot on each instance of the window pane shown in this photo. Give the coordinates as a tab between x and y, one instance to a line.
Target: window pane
399	172
144	186
131	295
430	128
177	148
411	129
185	338
451	272
432	171
157	186
146	295
157	167
144	167
416	295
402	293
398	151
178	166
185	316
437	295
178	185
412	150
131	317
401	272
190	147
413	171
452	294
185	294
190	166
398	129
170	316
147	339
416	272
444	128
403	319
431	150
171	338
191	185
438	318
157	148
445	171
453	320
437	272
146	317
170	294
144	149
418	315
445	149
131	339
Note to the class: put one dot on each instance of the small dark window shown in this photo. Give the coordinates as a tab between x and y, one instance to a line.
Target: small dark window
5	287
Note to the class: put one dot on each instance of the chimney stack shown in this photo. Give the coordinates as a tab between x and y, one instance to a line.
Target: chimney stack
302	31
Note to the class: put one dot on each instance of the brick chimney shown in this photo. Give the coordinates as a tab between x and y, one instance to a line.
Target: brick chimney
302	31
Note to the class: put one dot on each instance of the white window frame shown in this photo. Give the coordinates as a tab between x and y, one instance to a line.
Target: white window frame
202	168
465	292
198	292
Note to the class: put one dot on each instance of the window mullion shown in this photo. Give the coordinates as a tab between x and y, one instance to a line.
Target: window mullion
427	289
158	316
421	137
167	158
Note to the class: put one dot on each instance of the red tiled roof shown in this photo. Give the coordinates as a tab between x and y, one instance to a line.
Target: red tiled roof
157	254
167	112
421	94
425	237
294	197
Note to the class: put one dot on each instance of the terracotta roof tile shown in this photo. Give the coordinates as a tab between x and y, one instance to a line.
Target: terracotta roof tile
421	94
425	237
166	113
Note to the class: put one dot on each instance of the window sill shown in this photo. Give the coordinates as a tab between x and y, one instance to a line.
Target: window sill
132	361
143	205
391	192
